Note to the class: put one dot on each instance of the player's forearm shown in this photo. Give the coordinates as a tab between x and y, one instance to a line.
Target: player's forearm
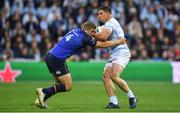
106	44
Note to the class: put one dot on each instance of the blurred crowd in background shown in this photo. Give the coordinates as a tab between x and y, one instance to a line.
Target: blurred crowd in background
29	28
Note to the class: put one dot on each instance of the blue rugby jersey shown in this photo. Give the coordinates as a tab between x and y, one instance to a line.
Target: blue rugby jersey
72	43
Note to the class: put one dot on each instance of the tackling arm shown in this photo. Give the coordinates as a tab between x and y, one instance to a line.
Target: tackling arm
105	44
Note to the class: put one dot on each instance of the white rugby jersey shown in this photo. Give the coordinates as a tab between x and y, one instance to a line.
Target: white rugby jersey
117	33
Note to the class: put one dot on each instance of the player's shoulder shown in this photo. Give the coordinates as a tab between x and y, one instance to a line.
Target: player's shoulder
112	22
77	32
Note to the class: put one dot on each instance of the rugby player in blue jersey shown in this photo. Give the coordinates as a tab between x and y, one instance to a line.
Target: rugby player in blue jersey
69	45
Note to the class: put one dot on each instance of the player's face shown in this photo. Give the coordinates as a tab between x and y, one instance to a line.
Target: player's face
102	16
90	32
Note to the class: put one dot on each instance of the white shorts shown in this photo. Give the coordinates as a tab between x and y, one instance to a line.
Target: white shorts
121	59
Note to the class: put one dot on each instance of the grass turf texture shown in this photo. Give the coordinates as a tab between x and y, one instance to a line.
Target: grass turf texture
90	97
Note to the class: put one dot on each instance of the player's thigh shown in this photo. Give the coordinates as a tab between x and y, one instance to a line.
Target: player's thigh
118	65
56	66
62	75
117	69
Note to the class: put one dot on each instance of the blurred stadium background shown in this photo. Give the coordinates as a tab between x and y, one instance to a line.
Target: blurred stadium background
29	28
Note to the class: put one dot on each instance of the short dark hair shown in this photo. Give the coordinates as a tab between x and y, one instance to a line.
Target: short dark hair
88	25
105	9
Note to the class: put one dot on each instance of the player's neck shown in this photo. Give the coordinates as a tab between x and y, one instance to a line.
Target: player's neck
109	18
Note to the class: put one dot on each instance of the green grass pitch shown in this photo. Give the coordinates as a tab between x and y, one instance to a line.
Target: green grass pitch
89	96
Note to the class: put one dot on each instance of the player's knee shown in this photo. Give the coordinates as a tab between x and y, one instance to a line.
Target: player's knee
68	86
114	76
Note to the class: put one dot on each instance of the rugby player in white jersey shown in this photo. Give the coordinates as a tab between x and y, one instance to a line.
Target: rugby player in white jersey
119	58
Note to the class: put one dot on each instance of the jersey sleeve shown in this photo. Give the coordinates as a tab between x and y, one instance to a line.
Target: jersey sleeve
117	29
90	41
109	25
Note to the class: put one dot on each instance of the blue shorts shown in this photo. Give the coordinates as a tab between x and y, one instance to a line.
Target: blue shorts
56	66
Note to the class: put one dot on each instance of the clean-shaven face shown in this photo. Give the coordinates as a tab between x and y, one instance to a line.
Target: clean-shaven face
90	32
103	16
